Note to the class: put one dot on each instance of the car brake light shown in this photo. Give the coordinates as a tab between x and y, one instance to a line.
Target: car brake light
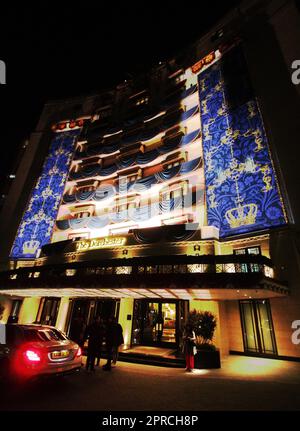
79	352
32	356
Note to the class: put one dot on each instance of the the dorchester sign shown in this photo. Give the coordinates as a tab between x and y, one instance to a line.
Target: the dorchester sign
96	243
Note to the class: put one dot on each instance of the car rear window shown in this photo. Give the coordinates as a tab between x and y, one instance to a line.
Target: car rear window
43	335
34	335
54	335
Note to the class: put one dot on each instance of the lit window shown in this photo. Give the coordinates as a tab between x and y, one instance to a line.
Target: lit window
153	269
123	270
248	267
269	272
179	269
195	267
166	269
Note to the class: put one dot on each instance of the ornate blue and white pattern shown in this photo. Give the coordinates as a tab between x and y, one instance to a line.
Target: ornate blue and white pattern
241	188
39	218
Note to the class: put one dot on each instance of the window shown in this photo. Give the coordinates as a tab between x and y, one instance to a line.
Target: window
152	269
15	310
166	269
257	327
180	269
123	270
78	235
82	215
173	164
48	311
247	267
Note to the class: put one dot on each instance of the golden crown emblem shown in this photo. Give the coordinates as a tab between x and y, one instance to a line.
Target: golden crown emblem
31	247
241	215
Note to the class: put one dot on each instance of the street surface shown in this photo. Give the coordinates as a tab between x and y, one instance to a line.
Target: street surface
242	384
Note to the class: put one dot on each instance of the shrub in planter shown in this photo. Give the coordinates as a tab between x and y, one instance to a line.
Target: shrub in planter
204	324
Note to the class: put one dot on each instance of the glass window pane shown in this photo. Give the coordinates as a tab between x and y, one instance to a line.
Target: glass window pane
266	327
253	250
249	329
240	251
254	267
169	323
150	323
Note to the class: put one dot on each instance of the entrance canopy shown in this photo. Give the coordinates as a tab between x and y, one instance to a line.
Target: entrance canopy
228	293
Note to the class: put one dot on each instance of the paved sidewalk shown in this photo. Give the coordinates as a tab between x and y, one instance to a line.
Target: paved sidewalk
241	384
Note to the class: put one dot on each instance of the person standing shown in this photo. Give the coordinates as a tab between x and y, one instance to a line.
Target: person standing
100	341
109	341
77	331
118	340
189	339
93	333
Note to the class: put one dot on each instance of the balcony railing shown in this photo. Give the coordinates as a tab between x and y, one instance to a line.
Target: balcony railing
145	266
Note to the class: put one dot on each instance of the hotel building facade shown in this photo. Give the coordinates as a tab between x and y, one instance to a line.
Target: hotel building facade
171	192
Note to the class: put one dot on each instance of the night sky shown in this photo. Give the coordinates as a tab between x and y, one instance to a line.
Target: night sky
55	50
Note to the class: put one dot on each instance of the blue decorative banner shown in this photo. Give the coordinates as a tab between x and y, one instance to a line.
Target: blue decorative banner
39	218
242	194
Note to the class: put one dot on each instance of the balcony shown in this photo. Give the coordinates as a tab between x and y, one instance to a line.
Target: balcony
203	277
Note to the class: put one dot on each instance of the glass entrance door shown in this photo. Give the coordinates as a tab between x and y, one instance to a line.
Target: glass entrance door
159	325
86	310
257	326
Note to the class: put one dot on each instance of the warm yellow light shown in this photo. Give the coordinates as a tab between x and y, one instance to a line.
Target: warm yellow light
126	308
29	310
255	367
96	243
197	372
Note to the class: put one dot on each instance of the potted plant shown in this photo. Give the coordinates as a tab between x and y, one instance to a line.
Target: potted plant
204	324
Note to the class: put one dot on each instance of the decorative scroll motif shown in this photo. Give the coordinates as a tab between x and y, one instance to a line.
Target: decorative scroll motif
39	218
241	187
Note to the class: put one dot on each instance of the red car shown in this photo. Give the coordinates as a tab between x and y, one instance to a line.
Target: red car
32	351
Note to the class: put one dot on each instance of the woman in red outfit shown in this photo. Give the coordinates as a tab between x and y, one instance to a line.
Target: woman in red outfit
189	339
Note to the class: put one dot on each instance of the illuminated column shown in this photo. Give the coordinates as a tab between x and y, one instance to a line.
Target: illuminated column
6	303
126	309
29	310
62	313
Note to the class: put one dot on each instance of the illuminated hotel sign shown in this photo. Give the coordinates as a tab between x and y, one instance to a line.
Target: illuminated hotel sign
203	62
96	243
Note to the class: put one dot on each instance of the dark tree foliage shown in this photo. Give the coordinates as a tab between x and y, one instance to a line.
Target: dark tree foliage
204	324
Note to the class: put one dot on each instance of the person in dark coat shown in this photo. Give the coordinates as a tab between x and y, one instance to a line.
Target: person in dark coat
93	334
118	340
101	338
109	339
77	331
